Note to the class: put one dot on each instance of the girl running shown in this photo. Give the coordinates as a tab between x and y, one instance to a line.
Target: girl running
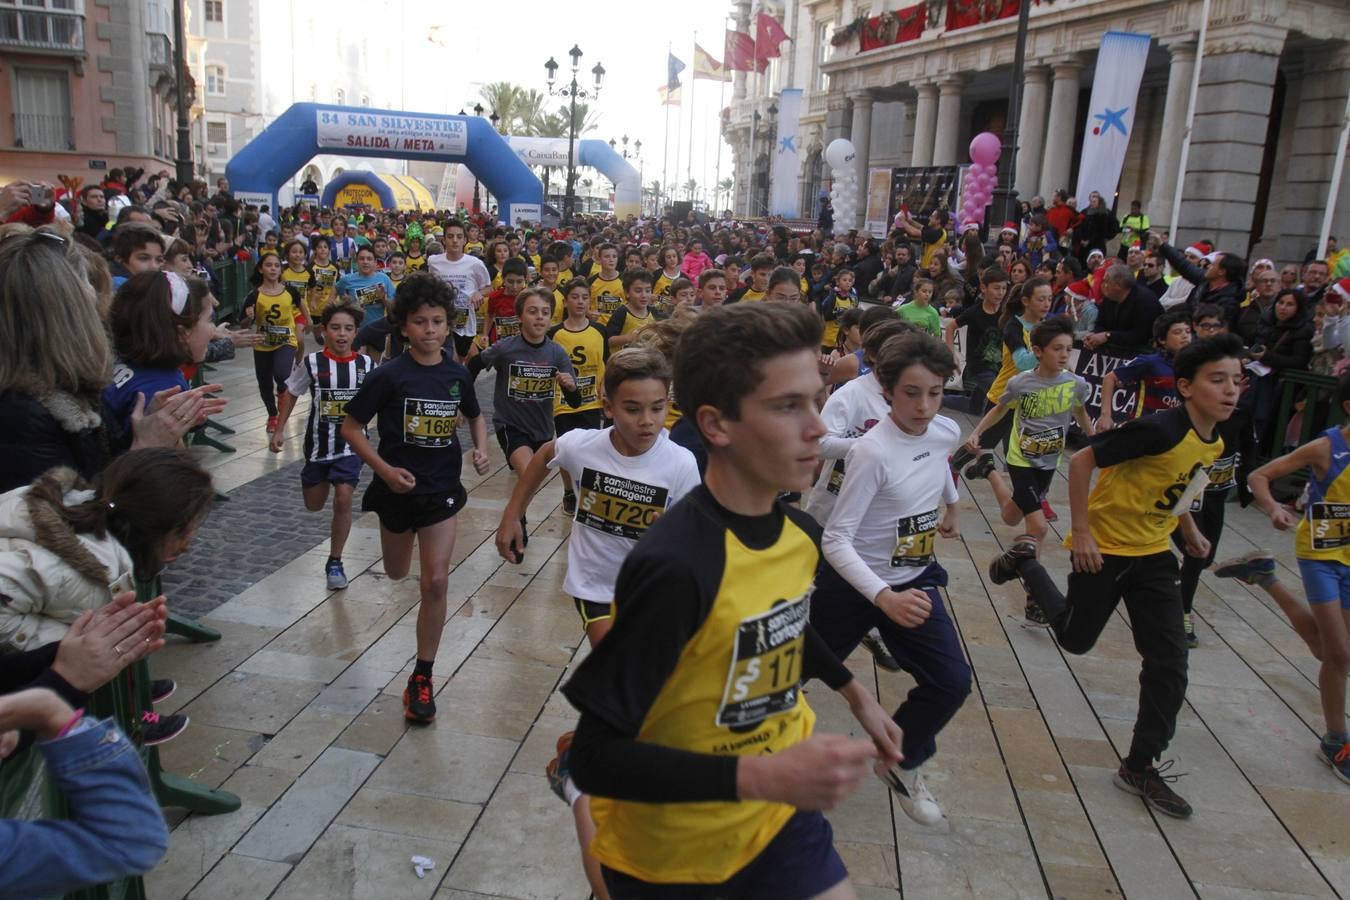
276	307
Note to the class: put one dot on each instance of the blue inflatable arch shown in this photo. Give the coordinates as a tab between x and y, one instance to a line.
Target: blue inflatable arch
306	130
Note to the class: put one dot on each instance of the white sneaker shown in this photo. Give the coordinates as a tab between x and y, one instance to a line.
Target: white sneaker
913	794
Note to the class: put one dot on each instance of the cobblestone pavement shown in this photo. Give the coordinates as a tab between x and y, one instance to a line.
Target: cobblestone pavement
263	526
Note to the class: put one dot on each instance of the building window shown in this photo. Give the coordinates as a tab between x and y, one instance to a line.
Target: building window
215	10
215	80
824	35
42	110
217	133
365	99
339	96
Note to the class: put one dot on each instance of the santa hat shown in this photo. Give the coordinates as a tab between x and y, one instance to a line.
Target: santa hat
1096	252
1079	290
970	226
1009	227
1342	287
1201	248
1212	258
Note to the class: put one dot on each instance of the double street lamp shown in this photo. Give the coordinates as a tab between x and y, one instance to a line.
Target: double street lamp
572	92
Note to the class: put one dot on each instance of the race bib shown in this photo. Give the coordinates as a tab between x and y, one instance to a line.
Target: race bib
836	477
618	506
429	423
608	304
1330	525
914	538
766	666
325	278
368	295
461	318
332	403
525	381
1223	473
507	326
586	387
276	335
662	306
1040	443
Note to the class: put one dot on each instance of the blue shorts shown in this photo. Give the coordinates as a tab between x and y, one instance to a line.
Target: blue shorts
799	862
1325	581
343	470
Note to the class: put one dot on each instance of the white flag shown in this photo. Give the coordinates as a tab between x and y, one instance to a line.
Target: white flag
1115	92
783	196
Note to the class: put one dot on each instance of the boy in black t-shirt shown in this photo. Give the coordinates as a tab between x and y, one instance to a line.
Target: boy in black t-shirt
983	350
416	492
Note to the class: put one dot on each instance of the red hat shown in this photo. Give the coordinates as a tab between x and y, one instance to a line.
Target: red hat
1008	226
1079	290
1342	287
1201	248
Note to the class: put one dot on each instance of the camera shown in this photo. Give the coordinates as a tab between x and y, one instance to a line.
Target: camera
40	195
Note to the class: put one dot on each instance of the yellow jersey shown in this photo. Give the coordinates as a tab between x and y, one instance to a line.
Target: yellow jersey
298	280
1324	531
664	281
275	315
416	262
841	305
1016	336
607	295
588	349
322	287
1150	471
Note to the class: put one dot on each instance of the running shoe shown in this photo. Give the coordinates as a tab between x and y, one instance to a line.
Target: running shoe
880	653
915	798
271	424
1154	786
981	467
569	504
162	689
156	729
1189	624
337	576
1034	615
559	768
1003	568
1335	752
418	706
1048	511
1256	567
961	457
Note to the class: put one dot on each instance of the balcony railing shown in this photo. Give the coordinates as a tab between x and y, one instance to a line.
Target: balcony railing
37	131
51	31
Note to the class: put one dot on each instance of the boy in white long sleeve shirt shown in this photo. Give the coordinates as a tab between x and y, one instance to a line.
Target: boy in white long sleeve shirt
879	546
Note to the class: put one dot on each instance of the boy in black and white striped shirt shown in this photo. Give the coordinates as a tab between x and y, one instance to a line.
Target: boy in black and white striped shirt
331	377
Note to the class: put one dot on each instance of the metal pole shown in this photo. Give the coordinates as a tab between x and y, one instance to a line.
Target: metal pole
570	201
1012	127
1174	223
183	164
721	104
1337	170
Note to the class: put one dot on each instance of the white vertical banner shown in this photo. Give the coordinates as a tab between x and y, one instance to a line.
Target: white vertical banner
1115	92
783	192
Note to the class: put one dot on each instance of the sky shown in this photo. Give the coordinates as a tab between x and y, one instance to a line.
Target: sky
620	34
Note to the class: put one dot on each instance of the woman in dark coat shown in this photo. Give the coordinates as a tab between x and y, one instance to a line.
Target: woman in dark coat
1284	342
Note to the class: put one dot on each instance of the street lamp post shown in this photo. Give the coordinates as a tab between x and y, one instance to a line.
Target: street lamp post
572	92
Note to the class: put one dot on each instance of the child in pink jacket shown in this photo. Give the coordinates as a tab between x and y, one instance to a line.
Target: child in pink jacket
695	261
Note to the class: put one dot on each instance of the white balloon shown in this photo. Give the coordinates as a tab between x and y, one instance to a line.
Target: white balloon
840	154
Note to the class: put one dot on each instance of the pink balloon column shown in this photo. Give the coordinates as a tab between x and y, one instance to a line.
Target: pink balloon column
982	177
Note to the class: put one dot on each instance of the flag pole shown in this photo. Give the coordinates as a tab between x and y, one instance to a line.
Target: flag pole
721	104
1174	225
665	146
679	137
689	164
754	110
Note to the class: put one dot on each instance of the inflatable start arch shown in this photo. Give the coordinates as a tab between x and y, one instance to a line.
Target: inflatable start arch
306	130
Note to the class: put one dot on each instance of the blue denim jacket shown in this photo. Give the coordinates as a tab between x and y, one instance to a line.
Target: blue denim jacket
115	829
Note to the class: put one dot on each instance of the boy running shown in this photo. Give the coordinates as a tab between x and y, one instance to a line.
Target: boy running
879	545
416	492
1322	545
1150	375
693	726
331	376
588	349
1152	468
1043	401
625	321
840	298
499	309
607	293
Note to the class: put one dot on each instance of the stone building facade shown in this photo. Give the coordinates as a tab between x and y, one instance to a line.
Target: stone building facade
1269	110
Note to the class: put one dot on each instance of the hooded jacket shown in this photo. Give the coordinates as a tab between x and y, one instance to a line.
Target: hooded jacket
1288	344
49	575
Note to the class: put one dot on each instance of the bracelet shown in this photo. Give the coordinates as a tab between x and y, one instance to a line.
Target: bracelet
74	720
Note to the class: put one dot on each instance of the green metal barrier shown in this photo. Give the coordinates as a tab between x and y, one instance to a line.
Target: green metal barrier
1317	390
234	287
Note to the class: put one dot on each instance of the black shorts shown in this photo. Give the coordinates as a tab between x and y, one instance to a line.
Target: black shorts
592	612
1029	487
343	470
799	862
462	344
401	513
565	422
512	439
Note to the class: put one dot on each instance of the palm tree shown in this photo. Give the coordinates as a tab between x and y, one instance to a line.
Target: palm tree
724	188
529	111
503	98
690	188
